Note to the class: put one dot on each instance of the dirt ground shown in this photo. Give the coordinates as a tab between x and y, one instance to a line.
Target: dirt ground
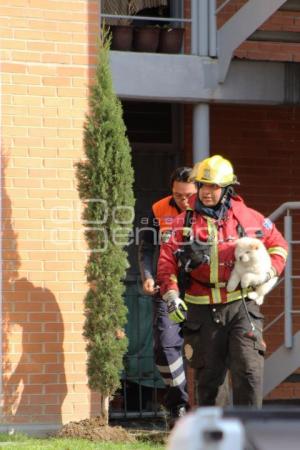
95	430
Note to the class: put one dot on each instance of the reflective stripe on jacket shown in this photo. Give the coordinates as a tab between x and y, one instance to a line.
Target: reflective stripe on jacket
222	236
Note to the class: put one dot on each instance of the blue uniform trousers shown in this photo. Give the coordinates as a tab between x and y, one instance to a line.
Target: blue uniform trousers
168	341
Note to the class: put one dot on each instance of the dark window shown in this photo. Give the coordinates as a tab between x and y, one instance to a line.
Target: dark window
148	122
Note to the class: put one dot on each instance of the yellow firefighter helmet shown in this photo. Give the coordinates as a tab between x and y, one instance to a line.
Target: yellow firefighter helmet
214	170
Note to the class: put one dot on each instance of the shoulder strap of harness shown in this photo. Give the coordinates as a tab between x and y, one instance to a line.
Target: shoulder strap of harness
241	231
187	226
183	276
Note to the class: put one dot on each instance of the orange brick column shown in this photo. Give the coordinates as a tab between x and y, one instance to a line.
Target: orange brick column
48	56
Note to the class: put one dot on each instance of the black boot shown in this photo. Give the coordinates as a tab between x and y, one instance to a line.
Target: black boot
175	414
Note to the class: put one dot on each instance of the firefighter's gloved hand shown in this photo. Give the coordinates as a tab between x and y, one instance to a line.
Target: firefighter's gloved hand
176	310
176	306
272	273
267	277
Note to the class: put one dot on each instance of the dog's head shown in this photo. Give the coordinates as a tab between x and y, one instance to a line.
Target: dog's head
248	250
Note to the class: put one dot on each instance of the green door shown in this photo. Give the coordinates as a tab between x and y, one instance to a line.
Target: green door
155	154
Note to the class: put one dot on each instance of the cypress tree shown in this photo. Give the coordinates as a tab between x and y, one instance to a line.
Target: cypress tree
105	180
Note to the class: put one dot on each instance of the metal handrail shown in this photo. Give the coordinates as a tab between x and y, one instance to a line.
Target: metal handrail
150	18
270	324
285	208
222	6
282	208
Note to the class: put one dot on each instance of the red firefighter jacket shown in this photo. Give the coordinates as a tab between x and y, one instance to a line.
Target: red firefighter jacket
208	281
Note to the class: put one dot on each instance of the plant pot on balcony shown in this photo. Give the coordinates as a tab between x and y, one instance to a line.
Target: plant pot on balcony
145	39
122	37
170	40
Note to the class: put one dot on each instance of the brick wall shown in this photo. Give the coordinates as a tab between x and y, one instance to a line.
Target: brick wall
263	144
187	34
47	55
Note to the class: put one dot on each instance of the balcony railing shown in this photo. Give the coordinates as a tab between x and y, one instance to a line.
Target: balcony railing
148	18
135	33
201	25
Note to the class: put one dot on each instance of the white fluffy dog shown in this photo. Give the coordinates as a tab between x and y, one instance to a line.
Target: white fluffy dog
252	267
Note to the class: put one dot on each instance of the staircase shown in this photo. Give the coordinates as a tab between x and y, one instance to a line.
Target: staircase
280	364
286	359
240	27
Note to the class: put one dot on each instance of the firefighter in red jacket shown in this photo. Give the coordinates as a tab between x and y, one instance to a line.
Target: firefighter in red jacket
167	335
218	327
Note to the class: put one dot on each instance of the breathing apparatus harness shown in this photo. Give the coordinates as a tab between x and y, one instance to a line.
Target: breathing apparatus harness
191	254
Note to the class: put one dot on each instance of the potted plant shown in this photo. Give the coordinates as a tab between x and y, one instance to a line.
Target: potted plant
120	28
121	37
146	38
170	39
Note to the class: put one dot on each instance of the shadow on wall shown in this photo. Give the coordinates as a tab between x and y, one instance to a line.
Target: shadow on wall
34	382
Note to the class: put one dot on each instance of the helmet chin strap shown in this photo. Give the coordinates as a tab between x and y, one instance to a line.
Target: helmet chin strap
225	197
226	194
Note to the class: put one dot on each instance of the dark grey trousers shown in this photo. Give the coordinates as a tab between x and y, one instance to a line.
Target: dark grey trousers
218	338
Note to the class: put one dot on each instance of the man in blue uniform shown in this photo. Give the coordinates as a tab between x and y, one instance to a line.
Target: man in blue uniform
167	335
